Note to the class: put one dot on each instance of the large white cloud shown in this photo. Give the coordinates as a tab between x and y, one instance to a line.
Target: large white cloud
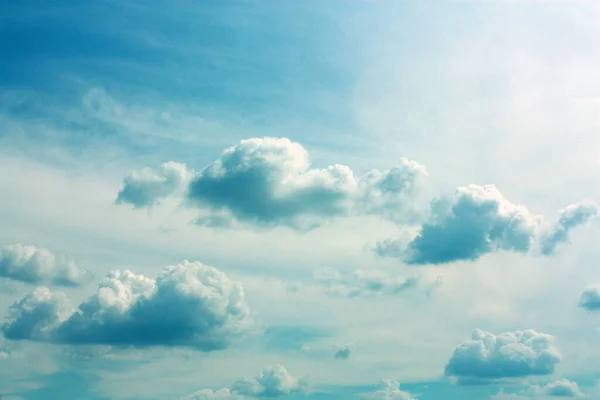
274	381
478	220
488	357
269	181
389	390
40	266
190	304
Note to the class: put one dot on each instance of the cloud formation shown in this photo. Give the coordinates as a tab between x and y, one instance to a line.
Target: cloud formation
34	265
478	220
389	390
147	187
273	382
190	305
363	283
488	357
590	298
562	388
269	181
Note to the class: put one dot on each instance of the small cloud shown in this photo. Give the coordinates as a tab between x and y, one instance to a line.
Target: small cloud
590	298
33	265
363	283
562	388
343	353
389	389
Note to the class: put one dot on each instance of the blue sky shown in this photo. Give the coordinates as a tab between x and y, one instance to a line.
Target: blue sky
316	199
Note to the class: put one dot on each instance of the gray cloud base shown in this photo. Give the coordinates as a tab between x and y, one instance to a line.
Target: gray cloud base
190	305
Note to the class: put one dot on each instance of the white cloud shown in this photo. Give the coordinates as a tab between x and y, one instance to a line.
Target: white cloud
488	357
562	388
269	181
190	305
478	220
343	352
390	390
36	265
590	298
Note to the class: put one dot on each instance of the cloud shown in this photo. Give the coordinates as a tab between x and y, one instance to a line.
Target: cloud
147	187
190	305
273	382
590	298
34	265
389	390
363	283
478	220
569	218
561	388
488	357
269	181
343	353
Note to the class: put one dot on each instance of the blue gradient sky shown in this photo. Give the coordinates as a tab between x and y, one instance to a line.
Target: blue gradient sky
496	92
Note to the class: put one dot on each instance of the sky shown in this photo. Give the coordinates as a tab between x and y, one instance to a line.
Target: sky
299	200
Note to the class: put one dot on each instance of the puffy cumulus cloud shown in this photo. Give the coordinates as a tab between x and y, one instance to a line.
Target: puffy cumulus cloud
569	218
590	298
274	381
269	181
190	304
34	265
561	388
488	357
389	390
147	187
343	352
362	283
478	220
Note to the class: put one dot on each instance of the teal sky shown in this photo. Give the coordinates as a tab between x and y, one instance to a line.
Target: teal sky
299	199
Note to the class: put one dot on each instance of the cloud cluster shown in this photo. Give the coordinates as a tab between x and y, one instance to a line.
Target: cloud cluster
562	388
478	220
389	390
362	283
273	382
269	181
488	357
34	265
190	304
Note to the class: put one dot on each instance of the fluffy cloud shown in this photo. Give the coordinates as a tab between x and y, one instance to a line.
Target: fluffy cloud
478	220
569	218
269	181
560	388
274	381
147	187
389	390
343	353
487	357
40	266
363	283
590	298
189	305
